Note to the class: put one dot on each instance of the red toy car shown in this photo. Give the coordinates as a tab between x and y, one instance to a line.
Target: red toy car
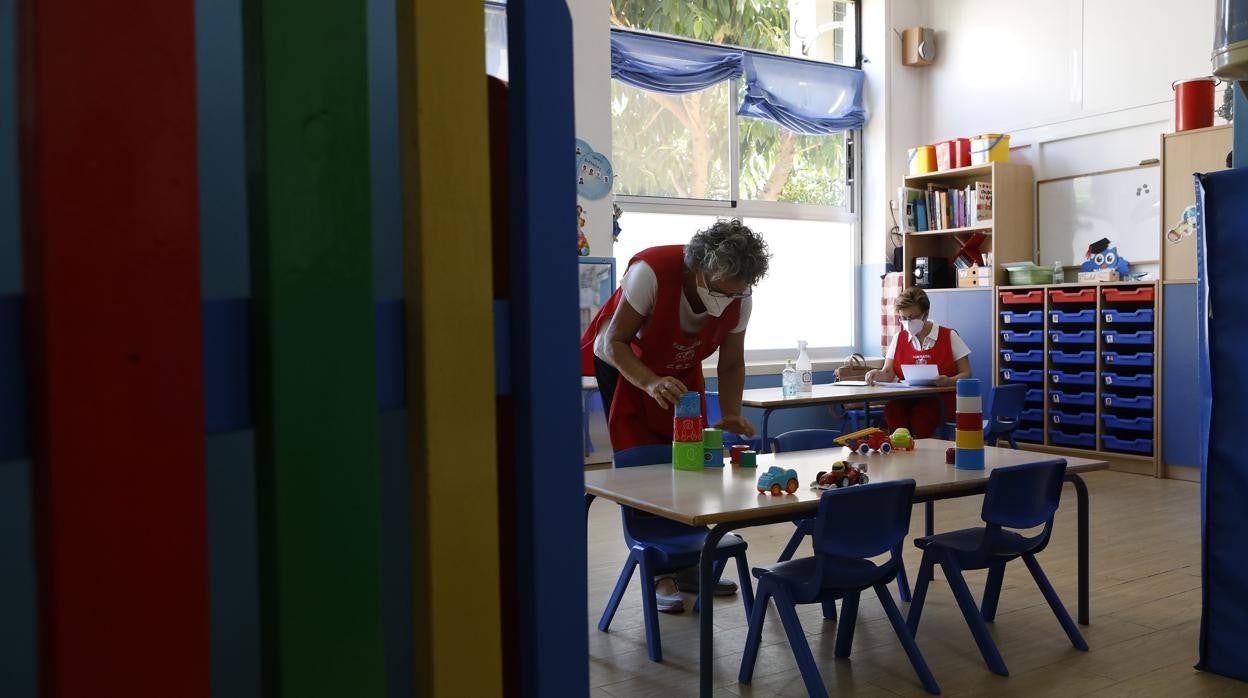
842	474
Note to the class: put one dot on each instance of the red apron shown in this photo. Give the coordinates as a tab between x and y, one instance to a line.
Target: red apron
636	419
940	354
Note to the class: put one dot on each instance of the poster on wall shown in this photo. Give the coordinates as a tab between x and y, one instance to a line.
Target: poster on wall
593	172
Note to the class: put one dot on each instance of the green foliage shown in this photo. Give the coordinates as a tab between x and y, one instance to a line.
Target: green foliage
677	146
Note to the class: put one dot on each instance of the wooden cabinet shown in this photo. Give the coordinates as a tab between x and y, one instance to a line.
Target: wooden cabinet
1010	233
1182	155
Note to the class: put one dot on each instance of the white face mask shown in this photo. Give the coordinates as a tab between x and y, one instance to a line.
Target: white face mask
915	326
715	305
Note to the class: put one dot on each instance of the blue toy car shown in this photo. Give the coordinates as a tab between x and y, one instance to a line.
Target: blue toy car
778	480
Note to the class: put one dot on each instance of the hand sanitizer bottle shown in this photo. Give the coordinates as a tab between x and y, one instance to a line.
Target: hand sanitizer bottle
805	374
788	380
1059	274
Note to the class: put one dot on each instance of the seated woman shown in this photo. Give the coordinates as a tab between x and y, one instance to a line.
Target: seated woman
921	341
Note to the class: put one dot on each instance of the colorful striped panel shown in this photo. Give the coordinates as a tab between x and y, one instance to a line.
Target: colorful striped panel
317	450
112	280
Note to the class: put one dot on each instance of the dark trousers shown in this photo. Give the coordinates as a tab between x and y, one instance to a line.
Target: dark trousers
608	376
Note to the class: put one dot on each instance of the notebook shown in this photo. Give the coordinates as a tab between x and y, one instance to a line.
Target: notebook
920	374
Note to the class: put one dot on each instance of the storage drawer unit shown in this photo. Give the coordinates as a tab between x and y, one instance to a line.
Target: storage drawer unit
1073	419
1072	377
1030	434
1115	316
1022	297
1076	439
1035	375
1074	399
1142	337
1143	358
1072	317
1136	294
1114	421
1079	358
1080	337
1014	356
1142	446
1028	317
1083	295
1118	380
1135	402
1029	337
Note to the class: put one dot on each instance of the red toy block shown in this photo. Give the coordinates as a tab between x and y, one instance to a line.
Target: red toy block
687	429
970	421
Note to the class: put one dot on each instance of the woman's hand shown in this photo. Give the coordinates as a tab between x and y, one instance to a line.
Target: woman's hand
944	381
736	424
872	376
666	391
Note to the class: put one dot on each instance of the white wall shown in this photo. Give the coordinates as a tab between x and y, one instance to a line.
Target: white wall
1081	85
591	50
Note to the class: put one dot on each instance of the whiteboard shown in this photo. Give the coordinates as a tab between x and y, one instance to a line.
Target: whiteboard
1122	205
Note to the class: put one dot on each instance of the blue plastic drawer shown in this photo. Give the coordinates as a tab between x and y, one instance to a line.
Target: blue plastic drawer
1144	380
1141	315
1063	317
1141	445
1141	402
1031	337
1079	440
1030	317
1014	375
1084	358
1035	395
1144	337
1034	435
1143	358
1034	414
1081	337
1073	419
1014	356
1114	421
1072	377
1083	399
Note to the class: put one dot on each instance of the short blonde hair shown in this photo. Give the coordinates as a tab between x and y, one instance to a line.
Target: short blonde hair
911	298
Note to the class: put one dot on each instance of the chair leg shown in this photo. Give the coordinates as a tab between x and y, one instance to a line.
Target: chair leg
845	631
797	641
613	603
920	592
992	592
743	581
1055	603
903	584
650	610
907	640
1010	437
829	610
794	541
754	635
987	647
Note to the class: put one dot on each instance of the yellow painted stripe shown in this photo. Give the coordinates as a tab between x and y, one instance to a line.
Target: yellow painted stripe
970	439
446	219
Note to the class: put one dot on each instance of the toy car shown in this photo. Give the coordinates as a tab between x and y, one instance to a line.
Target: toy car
778	480
842	474
902	440
865	441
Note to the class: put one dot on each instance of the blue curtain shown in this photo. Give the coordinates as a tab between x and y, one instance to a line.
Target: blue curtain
803	96
670	66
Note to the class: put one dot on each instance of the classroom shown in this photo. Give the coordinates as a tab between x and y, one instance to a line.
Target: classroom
888	323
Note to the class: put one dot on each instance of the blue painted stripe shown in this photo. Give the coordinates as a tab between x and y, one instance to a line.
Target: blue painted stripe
391	368
12	381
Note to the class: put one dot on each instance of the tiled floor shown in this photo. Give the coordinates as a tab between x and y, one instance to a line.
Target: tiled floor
1145	615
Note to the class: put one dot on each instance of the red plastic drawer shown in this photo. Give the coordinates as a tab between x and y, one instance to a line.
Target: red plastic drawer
1083	295
1021	297
1138	294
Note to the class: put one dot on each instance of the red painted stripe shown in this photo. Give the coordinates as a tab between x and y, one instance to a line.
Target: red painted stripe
970	421
111	247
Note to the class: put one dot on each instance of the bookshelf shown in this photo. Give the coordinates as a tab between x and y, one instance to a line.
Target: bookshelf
1008	235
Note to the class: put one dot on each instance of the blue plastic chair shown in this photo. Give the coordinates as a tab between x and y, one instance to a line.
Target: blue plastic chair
662	546
853	420
802	440
1003	415
714	414
1018	497
853	524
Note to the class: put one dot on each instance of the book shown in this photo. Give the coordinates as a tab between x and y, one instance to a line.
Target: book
983	203
908	197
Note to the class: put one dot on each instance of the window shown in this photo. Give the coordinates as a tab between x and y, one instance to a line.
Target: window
683	160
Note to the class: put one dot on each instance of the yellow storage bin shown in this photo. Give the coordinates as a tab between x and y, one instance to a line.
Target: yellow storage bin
990	147
922	160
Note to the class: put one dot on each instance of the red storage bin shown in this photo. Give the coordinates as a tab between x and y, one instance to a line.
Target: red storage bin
1022	297
1137	294
953	154
1083	295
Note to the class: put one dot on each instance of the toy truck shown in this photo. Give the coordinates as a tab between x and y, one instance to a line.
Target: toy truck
867	440
842	474
902	440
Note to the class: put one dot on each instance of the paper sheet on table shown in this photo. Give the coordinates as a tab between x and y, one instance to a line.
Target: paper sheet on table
899	385
850	384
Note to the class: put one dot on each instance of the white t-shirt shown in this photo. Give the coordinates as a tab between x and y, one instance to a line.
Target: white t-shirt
960	350
640	286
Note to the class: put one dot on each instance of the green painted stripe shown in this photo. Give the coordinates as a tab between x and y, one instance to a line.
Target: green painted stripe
308	170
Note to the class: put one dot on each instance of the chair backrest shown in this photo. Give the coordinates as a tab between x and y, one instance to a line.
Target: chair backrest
804	440
1024	496
1007	407
649	454
864	520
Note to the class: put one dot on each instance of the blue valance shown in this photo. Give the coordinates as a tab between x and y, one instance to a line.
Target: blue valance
670	66
803	96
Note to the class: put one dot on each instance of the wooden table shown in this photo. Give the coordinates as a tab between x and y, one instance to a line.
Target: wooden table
771	399
727	498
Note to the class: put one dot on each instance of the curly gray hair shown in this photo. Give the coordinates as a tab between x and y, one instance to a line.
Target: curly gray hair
728	250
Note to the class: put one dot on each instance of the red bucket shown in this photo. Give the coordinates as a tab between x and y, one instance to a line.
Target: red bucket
1193	103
